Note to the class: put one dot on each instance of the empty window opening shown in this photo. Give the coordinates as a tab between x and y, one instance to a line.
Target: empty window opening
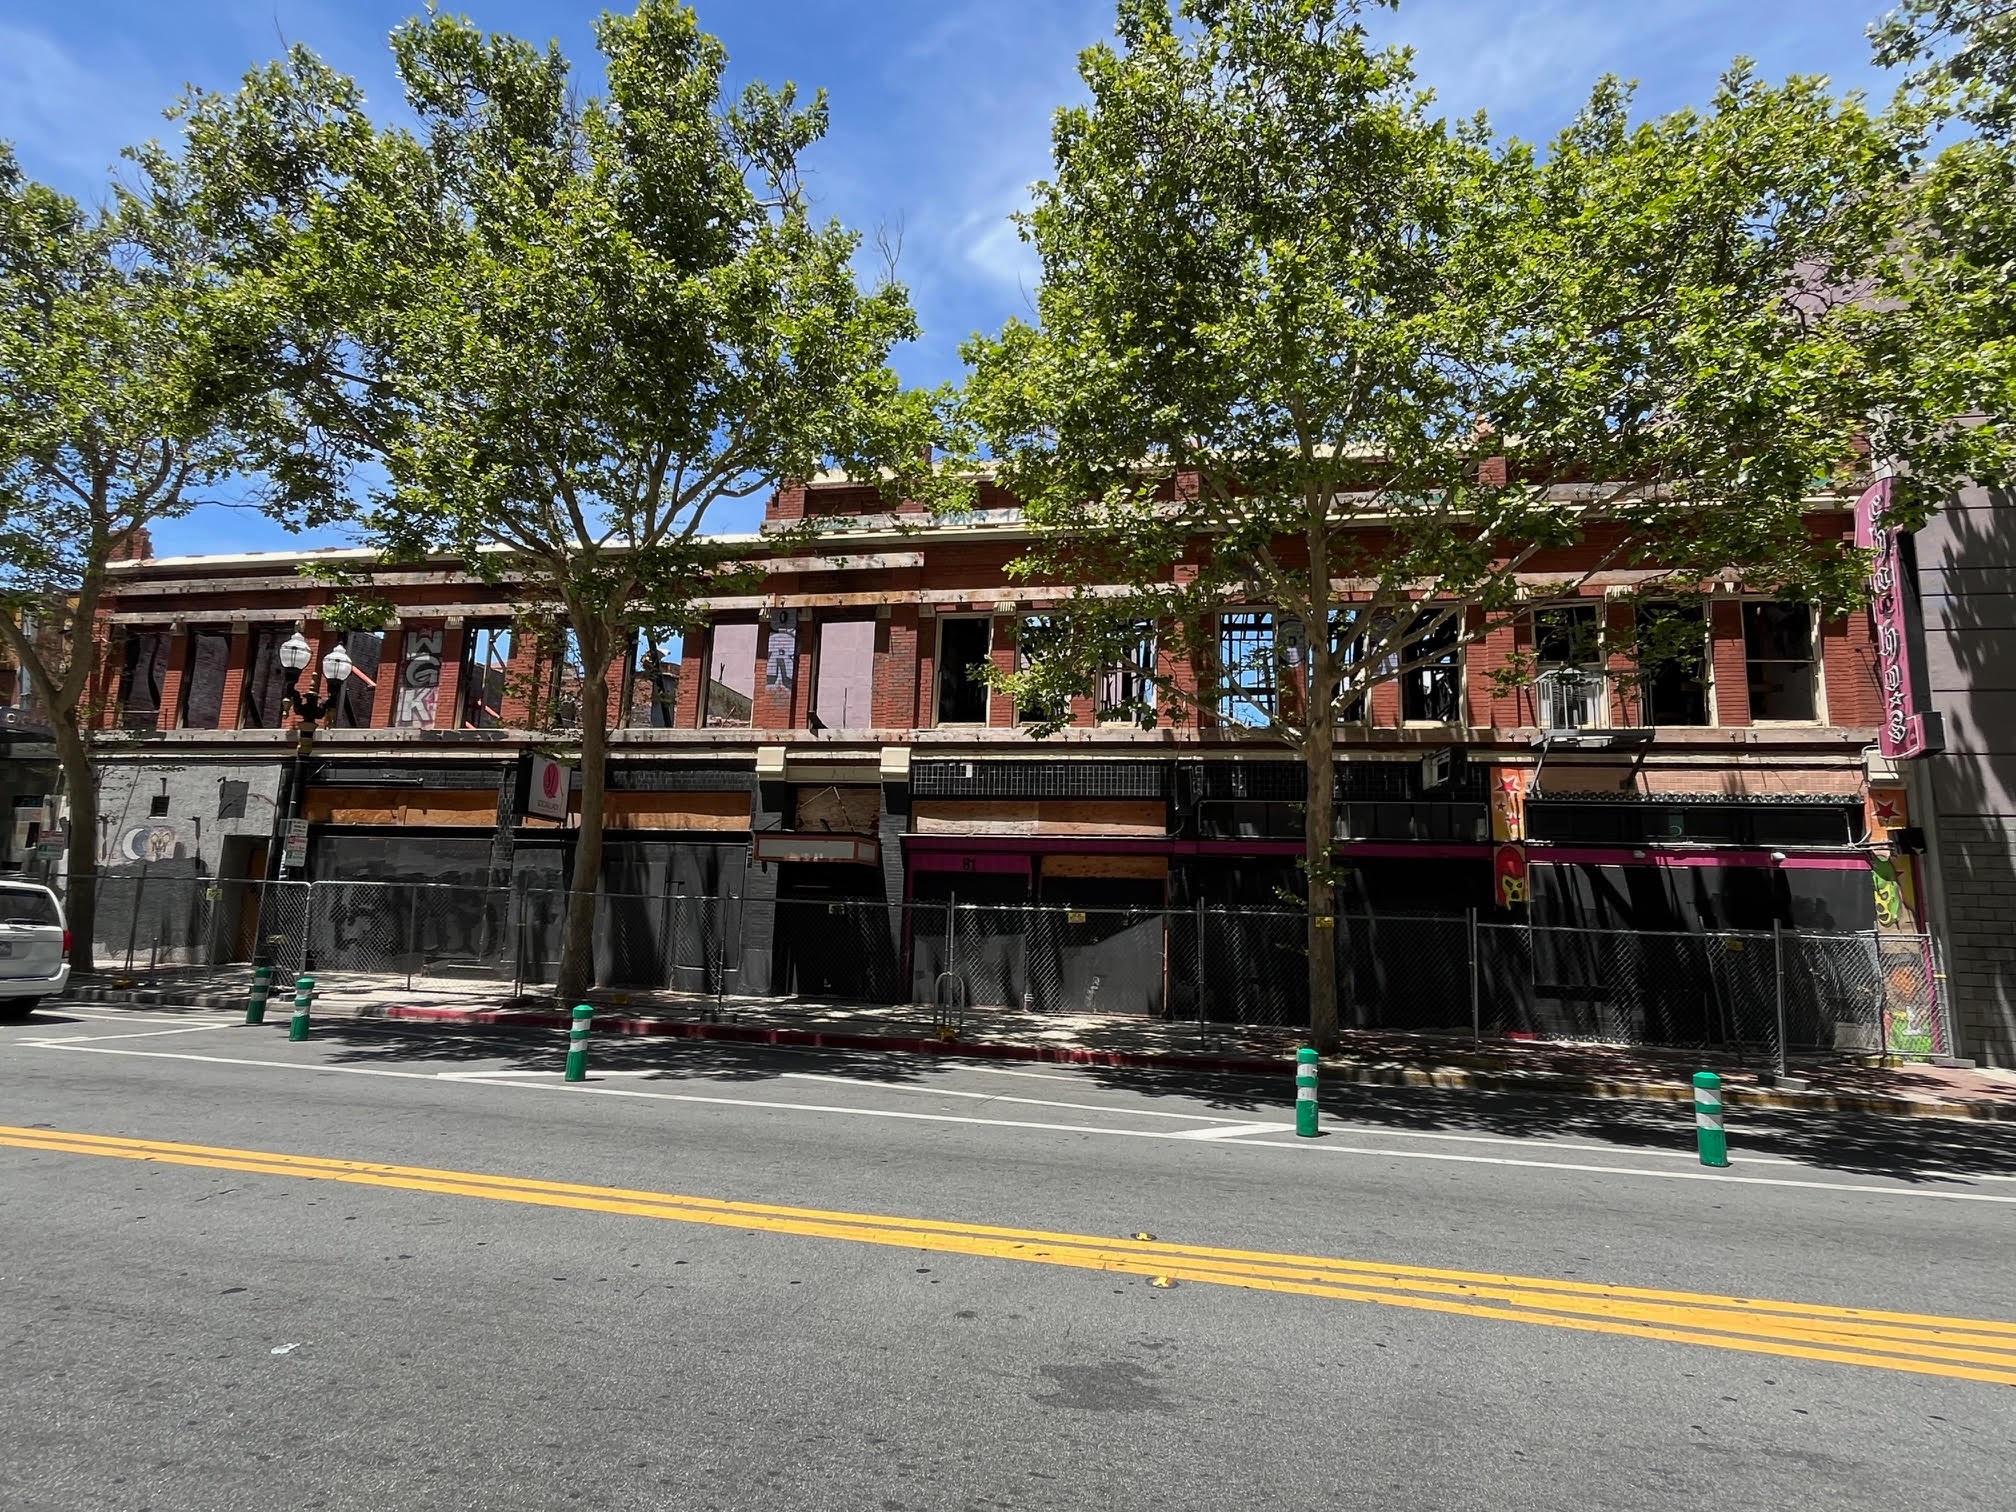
486	658
1672	658
1127	687
731	676
1429	685
963	647
656	659
1246	668
1778	657
1569	685
357	698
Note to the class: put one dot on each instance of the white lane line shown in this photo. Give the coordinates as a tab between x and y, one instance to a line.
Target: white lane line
480	1076
81	1039
1237	1131
1312	1145
136	1018
1246	1124
1002	1097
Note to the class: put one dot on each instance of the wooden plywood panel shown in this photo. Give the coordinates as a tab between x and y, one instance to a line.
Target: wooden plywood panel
1033	816
1145	868
679	811
407	806
847	810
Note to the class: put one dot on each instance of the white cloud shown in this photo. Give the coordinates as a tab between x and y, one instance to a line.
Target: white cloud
999	252
69	120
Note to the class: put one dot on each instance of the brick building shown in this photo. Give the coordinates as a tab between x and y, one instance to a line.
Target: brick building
826	740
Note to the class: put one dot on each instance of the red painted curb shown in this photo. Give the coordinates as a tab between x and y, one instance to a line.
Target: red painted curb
816	1039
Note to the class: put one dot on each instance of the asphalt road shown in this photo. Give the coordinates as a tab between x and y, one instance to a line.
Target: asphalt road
416	1269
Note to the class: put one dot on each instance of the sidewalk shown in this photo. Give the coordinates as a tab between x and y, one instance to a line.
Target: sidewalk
1376	1058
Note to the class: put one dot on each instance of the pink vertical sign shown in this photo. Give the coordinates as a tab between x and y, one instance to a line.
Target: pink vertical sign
1906	729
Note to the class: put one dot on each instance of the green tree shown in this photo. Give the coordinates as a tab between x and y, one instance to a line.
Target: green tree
564	329
1396	368
114	396
1948	319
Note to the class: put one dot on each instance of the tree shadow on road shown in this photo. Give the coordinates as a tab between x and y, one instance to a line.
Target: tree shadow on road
1910	1149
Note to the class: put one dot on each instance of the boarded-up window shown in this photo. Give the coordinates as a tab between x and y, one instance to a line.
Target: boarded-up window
654	678
731	676
141	678
844	698
203	681
838	810
265	680
359	694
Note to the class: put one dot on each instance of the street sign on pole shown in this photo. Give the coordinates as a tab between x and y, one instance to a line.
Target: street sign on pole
294	855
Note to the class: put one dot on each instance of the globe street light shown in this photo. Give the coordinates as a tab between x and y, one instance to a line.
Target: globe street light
295	655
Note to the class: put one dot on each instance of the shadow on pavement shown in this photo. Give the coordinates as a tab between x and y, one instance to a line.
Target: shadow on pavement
1910	1149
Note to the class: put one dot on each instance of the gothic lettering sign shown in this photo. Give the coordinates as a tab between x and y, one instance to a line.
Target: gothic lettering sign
1907	728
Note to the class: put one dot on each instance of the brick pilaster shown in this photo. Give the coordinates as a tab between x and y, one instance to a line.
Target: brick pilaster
692	678
169	715
896	642
1725	655
448	696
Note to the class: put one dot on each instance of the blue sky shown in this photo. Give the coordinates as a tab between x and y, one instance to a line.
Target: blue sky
940	108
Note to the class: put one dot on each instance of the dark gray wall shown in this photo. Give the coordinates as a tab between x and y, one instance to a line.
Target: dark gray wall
1967	582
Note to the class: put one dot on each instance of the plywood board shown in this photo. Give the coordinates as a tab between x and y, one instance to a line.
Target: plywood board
1034	816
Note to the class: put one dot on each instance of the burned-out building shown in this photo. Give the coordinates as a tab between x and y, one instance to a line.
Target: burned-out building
827	743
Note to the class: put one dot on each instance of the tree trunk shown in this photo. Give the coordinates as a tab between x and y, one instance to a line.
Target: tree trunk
1319	840
577	947
80	902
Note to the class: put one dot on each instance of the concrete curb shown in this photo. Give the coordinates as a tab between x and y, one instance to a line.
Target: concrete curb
1354	1073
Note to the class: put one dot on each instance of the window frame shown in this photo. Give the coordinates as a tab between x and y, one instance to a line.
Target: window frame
1232	693
819	665
191	636
938	690
1641	680
1598	710
472	680
1816	671
710	679
1457	667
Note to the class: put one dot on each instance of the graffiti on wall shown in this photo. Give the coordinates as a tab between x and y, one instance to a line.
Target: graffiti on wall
419	680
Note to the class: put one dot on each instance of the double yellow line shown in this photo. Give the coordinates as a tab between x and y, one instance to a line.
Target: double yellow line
1969	1349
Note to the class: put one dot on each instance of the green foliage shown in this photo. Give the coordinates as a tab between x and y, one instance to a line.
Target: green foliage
562	329
1947	319
114	390
1268	267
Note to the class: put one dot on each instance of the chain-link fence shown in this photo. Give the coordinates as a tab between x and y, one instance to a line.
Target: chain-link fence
1764	992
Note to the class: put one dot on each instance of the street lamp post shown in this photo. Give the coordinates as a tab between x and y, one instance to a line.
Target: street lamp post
295	654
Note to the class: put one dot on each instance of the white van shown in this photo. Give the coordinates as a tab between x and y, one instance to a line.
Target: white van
34	947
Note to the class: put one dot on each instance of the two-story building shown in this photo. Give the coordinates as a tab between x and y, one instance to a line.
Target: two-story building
827	740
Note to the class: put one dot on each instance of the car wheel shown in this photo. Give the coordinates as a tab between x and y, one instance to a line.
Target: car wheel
15	1010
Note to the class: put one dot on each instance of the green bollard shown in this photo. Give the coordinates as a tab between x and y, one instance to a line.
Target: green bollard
304	991
577	1043
1708	1130
1305	1092
262	984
